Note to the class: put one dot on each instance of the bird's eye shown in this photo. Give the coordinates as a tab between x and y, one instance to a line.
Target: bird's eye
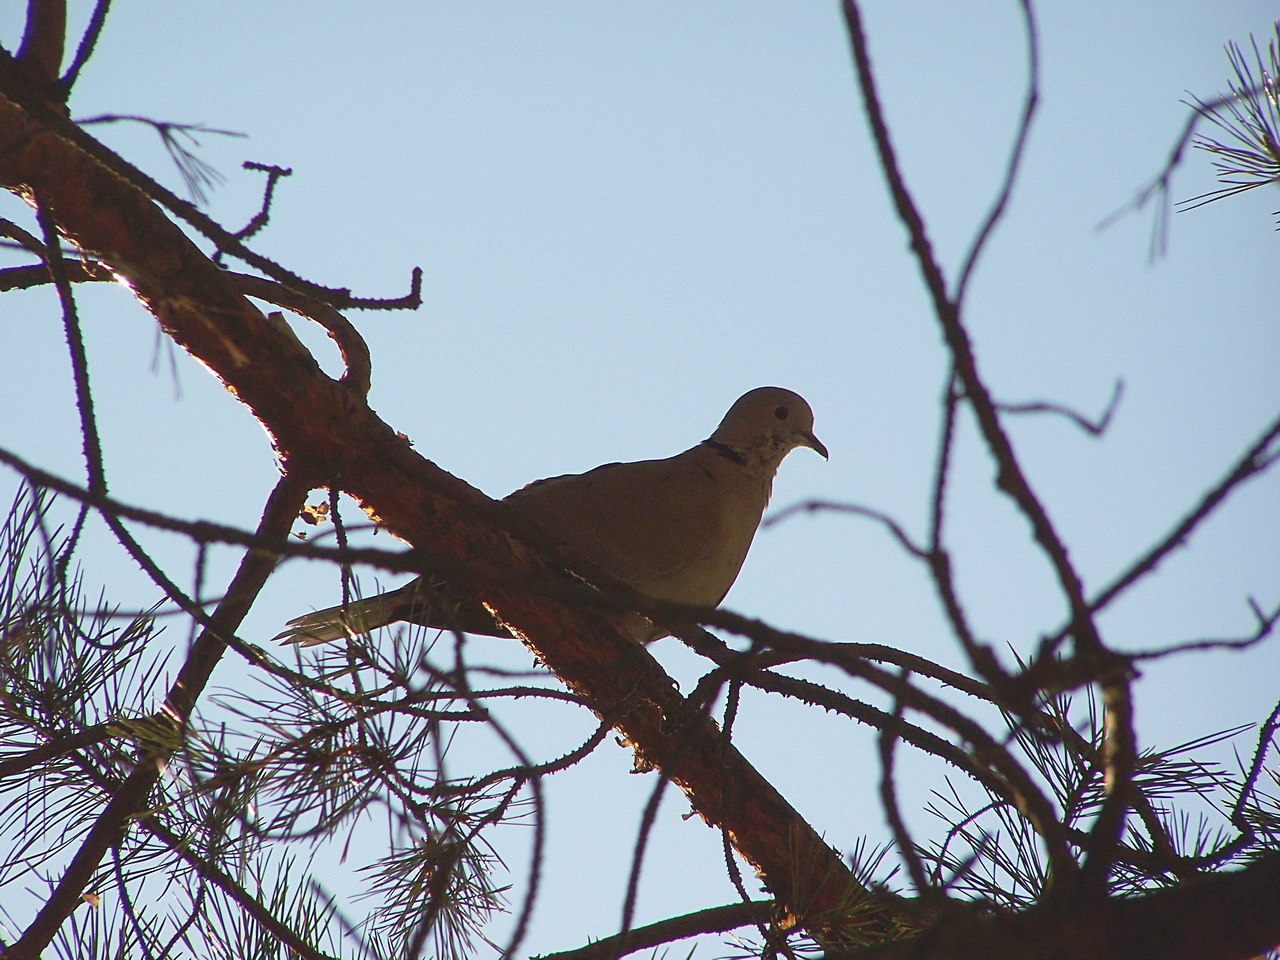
781	413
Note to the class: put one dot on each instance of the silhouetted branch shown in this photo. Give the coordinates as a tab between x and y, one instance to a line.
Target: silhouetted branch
906	847
43	38
820	506
19	90
712	920
84	50
1257	458
1016	153
92	444
1093	427
259	219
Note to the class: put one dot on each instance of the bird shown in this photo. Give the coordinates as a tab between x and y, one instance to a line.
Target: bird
676	529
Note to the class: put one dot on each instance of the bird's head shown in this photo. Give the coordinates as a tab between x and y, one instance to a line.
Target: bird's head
767	423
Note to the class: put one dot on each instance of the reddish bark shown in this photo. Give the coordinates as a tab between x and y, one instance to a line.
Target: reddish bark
324	428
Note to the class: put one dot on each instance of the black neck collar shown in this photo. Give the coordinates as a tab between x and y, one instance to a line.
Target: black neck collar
726	451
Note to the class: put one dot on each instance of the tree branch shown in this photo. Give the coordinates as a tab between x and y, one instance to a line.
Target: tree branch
712	920
1227	916
43	40
323	429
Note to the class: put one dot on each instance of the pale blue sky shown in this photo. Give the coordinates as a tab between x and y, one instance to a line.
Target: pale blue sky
630	214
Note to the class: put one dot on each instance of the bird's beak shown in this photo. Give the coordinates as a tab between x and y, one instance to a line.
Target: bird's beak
813	443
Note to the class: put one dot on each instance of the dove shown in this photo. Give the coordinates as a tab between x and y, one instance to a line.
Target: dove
676	529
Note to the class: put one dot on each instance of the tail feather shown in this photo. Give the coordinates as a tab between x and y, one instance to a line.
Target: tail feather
337	623
430	603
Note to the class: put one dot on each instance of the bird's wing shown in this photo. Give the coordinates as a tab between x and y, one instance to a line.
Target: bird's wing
675	529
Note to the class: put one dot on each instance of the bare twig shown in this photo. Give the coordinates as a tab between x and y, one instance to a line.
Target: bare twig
942	465
1093	427
1266	736
733	700
92	443
712	920
352	346
259	219
1257	458
889	736
85	48
1010	479
1266	623
1119	756
820	506
18	89
1014	163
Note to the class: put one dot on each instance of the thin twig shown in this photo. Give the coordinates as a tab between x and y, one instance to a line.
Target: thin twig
1266	624
1254	461
712	920
1014	164
90	439
732	701
820	506
889	736
1093	427
20	92
259	219
86	46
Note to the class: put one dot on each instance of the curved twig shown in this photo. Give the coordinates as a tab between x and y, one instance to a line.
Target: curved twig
996	213
1095	428
819	506
1255	460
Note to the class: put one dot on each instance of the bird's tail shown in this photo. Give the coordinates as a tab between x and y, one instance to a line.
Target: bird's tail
431	603
335	623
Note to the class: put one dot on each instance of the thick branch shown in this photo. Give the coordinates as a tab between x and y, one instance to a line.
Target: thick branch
44	39
323	429
1227	916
